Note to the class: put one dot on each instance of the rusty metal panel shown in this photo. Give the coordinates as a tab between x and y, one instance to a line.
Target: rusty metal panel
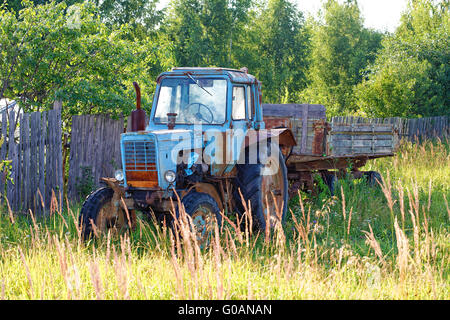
143	179
275	122
318	143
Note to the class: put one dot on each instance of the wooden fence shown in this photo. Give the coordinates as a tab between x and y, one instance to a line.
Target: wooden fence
411	129
32	142
94	152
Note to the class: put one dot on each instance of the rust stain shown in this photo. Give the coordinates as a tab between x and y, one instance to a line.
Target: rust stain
319	127
211	190
143	184
272	122
142	179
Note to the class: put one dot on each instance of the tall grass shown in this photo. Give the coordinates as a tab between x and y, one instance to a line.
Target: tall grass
388	242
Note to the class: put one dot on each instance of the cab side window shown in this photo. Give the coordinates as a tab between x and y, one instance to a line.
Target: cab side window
239	103
250	105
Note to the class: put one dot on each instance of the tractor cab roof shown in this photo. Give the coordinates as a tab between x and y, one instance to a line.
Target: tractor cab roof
238	76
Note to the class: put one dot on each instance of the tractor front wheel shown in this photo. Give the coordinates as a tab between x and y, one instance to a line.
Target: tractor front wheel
100	215
204	212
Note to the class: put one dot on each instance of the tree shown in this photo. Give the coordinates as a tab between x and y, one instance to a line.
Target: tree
282	51
17	5
340	49
410	76
205	33
48	53
141	15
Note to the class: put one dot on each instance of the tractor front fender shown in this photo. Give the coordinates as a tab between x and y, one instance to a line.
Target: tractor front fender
118	198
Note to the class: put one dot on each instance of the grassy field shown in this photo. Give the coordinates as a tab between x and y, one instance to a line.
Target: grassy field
388	242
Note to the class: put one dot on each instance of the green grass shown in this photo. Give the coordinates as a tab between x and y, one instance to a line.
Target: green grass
389	242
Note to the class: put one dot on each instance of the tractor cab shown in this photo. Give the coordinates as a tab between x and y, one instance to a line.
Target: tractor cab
193	108
205	96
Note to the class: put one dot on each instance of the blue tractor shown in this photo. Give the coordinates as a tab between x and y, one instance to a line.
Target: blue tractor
205	148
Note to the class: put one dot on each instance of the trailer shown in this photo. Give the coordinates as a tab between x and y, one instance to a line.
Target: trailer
329	149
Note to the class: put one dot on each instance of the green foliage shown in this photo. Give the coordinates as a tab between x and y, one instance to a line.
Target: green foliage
282	51
85	185
411	74
205	33
53	52
5	169
87	54
141	14
341	48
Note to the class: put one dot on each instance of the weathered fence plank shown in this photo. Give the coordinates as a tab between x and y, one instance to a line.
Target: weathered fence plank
12	155
94	150
36	159
3	151
41	189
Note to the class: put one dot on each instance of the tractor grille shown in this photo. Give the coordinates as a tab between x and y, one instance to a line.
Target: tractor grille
140	155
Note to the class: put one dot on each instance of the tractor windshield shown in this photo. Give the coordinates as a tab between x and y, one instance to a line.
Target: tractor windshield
194	100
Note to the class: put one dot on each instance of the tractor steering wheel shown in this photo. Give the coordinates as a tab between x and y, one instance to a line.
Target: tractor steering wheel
198	115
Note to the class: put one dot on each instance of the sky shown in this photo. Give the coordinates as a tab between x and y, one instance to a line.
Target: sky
382	15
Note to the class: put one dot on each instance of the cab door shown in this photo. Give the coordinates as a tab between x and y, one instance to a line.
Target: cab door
241	116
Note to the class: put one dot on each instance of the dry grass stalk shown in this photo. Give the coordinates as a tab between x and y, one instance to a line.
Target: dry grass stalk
217	263
94	228
343	204
267	218
120	268
370	239
302	208
429	196
62	258
3	290
446	205
11	216
124	206
416	200
96	279
27	270
176	268
349	221
235	226
401	195
386	187
403	252
415	222
34	221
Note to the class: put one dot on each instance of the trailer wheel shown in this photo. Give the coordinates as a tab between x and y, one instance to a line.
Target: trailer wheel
99	215
205	212
330	180
266	186
373	177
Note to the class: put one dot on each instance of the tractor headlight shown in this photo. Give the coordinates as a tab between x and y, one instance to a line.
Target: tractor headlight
118	175
170	176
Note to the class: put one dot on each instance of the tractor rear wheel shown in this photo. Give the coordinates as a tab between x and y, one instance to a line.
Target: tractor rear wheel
99	215
266	187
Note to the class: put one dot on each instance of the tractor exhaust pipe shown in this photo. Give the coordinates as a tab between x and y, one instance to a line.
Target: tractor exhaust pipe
138	115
